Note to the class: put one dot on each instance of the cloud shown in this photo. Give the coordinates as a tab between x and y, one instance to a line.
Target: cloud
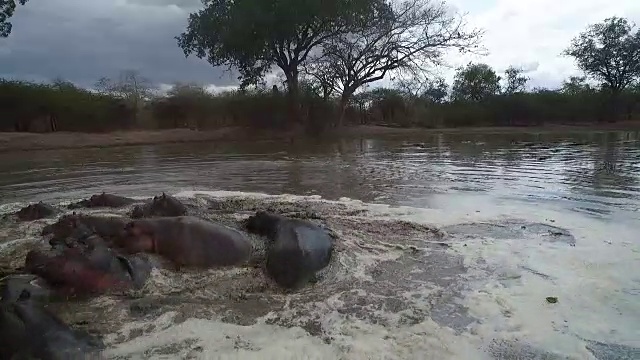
82	40
527	32
185	4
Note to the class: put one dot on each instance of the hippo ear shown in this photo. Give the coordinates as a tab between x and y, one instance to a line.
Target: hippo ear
164	196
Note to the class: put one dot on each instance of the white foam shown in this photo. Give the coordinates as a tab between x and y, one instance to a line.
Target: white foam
352	339
588	280
210	339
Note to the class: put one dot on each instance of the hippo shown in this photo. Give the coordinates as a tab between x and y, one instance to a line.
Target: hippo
107	227
23	286
29	331
36	211
88	267
297	249
187	241
160	206
103	200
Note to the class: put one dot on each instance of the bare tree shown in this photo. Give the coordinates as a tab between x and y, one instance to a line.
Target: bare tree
130	86
403	36
322	76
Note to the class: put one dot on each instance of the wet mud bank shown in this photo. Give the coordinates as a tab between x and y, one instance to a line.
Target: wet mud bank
396	287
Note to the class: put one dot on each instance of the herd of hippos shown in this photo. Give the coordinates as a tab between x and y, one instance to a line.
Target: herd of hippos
91	255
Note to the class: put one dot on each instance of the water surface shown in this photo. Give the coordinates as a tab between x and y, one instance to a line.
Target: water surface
524	216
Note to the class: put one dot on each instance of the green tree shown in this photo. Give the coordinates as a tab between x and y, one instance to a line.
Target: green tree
436	91
475	82
192	90
252	36
515	81
575	85
7	8
609	52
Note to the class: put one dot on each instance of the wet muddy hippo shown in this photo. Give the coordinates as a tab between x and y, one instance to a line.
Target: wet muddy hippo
103	200
36	211
297	249
29	331
23	286
188	241
88	268
160	206
107	227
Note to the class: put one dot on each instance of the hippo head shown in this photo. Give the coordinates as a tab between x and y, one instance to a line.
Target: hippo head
35	211
97	200
168	205
35	261
139	237
262	223
162	205
23	287
139	268
63	227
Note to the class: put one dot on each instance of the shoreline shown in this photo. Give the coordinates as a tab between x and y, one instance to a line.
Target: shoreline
14	141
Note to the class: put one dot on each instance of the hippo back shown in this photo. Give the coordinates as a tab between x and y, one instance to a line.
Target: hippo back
28	330
299	250
218	245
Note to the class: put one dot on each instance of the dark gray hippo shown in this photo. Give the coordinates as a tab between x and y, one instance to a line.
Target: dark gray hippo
187	241
24	286
29	331
36	211
103	200
160	206
297	249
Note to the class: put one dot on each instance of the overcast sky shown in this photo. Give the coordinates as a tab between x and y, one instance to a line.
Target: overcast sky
83	40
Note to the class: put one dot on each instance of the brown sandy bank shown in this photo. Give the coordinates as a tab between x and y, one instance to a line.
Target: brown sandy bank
12	141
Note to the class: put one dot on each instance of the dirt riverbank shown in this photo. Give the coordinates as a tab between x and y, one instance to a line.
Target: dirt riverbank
12	141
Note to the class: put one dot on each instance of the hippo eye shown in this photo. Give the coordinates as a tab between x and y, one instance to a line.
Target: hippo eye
24	295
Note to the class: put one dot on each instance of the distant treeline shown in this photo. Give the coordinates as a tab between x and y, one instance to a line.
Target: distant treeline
330	54
60	106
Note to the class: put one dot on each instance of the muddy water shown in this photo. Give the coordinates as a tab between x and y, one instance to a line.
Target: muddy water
448	246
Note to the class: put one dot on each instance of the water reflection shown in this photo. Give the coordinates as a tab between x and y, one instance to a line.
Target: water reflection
595	168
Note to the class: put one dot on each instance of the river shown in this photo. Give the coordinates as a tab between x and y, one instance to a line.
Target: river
449	246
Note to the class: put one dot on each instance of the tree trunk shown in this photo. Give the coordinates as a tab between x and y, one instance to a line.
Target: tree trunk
344	101
610	102
293	96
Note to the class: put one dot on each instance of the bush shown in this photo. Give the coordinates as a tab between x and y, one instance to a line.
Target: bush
59	107
63	107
